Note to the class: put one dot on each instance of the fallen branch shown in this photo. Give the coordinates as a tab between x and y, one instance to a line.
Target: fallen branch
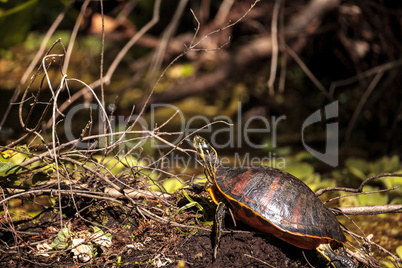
358	190
367	210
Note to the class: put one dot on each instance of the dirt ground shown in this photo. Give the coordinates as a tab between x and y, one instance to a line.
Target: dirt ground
141	242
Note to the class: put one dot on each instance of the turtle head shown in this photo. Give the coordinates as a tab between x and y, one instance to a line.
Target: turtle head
208	156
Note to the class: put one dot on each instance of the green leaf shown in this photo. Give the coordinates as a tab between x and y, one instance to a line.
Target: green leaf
385	165
62	239
388	262
300	170
396	201
206	223
96	229
172	184
372	199
191	203
15	23
390	182
313	181
8	168
357	166
187	206
399	251
357	173
348	201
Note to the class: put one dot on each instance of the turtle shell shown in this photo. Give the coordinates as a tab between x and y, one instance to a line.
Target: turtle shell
276	202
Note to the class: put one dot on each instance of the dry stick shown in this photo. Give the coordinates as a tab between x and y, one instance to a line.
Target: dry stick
64	145
48	105
134	147
166	36
151	135
162	220
96	195
97	99
55	97
8	219
366	259
368	210
76	186
305	257
398	260
33	78
274	40
356	192
74	35
223	28
117	60
73	98
321	191
101	75
133	40
283	61
192	46
174	147
365	74
222	12
54	146
36	59
101	176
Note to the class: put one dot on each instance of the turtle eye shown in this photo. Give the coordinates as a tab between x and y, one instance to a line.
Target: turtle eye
204	146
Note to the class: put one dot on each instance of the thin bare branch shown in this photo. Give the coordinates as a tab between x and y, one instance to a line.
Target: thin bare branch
274	40
368	210
73	36
35	60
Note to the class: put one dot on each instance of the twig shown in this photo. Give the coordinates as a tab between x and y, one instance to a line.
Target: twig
104	116
55	97
73	36
368	210
274	40
133	40
365	74
360	189
96	195
118	58
261	261
36	59
222	12
166	36
100	176
368	241
20	112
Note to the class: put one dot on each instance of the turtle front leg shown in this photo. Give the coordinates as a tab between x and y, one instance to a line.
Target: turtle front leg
219	216
336	260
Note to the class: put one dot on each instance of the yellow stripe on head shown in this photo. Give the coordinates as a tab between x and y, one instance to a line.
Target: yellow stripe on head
208	156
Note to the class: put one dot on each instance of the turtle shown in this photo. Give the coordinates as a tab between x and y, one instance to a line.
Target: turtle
271	201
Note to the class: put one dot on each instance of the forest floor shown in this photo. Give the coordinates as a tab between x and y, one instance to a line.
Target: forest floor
138	241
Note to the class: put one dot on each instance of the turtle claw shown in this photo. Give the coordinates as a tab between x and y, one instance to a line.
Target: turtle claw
344	262
219	216
336	260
